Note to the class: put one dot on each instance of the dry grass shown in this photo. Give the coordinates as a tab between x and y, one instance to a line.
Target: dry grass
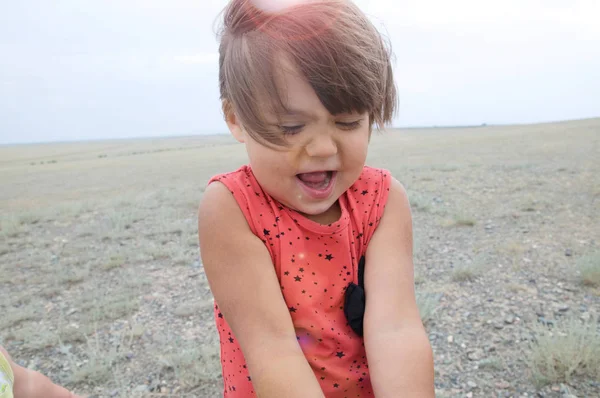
469	271
568	351
493	363
191	362
16	316
112	306
32	336
464	273
73	250
10	226
463	221
188	309
102	362
459	220
419	202
116	261
589	267
428	304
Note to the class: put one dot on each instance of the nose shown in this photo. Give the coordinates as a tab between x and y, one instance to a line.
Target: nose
321	145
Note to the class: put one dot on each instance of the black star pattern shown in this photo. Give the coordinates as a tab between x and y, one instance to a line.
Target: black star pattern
369	186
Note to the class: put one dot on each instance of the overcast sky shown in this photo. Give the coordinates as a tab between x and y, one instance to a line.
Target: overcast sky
83	69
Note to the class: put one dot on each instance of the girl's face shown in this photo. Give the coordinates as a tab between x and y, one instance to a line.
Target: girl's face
325	155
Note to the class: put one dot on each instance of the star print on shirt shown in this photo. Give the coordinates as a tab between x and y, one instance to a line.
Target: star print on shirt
323	291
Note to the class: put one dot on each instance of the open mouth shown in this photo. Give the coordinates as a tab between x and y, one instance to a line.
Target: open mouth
319	180
319	184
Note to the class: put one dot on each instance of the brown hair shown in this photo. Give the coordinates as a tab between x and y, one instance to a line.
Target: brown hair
331	42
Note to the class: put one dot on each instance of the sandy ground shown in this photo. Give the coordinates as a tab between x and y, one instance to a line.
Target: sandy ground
102	289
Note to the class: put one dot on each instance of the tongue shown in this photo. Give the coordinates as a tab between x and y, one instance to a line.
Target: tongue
314	178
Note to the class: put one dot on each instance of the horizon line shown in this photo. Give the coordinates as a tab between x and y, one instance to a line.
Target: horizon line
94	140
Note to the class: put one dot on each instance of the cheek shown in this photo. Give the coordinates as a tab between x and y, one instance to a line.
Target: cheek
357	146
268	159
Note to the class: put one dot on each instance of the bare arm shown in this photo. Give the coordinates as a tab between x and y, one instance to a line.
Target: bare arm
398	350
243	281
32	384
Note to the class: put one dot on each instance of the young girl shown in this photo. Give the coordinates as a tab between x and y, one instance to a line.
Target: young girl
19	382
308	252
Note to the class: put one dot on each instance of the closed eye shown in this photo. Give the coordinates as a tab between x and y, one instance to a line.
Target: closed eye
291	130
349	126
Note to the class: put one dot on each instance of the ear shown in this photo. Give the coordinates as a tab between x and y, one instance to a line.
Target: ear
235	127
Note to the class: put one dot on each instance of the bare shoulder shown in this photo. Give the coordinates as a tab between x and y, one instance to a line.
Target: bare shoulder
398	200
217	202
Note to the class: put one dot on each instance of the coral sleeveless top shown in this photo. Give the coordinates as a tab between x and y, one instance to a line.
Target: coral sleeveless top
314	264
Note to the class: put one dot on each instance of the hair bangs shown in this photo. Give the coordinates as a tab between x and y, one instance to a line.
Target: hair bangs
331	43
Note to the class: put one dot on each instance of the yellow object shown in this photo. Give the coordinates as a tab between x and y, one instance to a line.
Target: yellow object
6	378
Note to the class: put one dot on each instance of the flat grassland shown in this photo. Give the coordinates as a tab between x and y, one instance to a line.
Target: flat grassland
103	290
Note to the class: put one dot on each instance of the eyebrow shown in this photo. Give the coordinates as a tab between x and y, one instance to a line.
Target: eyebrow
298	112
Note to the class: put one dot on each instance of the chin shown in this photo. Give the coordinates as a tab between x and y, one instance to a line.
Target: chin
316	209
